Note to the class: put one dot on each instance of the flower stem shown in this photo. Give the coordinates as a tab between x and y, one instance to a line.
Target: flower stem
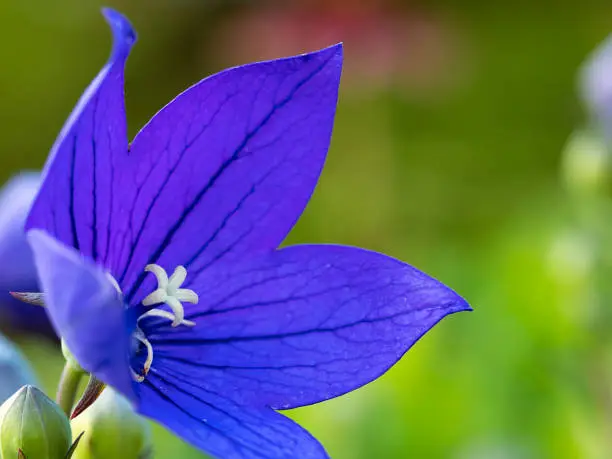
68	387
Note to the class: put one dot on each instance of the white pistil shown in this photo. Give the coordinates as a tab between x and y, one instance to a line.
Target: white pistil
169	292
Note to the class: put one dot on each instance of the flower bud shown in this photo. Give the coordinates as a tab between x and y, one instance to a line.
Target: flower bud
14	370
17	269
32	423
111	430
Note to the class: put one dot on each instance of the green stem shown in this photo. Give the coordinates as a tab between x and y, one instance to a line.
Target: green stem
68	387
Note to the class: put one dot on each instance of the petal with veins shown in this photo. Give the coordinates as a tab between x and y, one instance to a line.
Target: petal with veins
301	325
79	199
220	426
226	168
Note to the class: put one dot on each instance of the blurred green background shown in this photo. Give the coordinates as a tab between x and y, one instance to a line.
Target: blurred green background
447	153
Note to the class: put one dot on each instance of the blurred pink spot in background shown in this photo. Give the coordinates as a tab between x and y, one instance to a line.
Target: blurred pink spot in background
384	45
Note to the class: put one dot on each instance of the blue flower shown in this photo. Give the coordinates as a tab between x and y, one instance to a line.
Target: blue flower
596	86
160	262
15	370
18	270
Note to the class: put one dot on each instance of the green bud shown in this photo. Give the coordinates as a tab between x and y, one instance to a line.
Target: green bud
32	426
111	430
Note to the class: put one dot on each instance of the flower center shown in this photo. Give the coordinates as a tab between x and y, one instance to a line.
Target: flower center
168	292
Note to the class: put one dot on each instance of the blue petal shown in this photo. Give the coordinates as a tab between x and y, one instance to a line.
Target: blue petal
596	85
220	426
301	325
123	34
85	309
15	370
17	270
79	198
15	254
226	168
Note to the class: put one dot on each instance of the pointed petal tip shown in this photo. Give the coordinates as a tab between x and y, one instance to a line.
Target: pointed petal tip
462	306
38	238
338	48
457	304
337	51
333	53
124	35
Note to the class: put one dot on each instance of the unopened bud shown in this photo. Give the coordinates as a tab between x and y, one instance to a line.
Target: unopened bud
112	429
32	426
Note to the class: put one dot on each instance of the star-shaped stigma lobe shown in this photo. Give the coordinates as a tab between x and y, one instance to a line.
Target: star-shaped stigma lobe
169	291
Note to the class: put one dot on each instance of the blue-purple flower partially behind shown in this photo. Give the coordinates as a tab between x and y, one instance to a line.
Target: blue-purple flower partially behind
595	83
160	265
18	271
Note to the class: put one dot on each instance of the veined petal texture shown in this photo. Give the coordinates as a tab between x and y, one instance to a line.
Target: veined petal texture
227	167
79	196
222	171
222	427
300	325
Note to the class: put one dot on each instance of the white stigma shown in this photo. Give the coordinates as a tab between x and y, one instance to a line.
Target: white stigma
169	291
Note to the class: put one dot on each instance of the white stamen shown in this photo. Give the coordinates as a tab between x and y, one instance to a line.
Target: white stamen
136	377
140	336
